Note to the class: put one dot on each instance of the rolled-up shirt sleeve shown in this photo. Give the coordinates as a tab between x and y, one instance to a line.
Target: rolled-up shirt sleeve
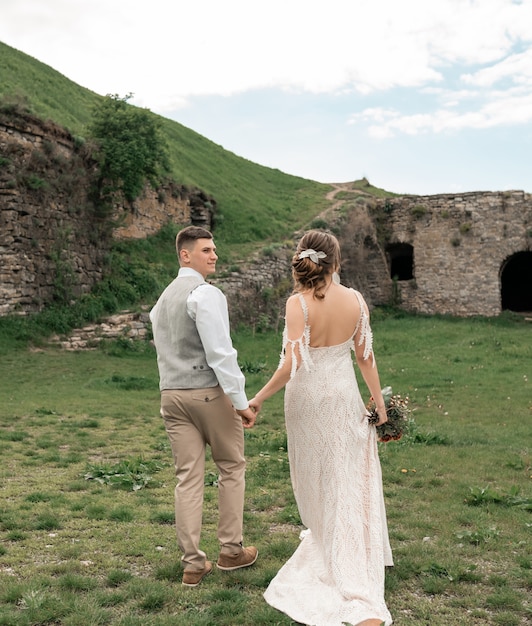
207	306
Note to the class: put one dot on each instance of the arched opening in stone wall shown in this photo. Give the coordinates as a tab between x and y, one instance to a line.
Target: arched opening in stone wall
400	261
516	281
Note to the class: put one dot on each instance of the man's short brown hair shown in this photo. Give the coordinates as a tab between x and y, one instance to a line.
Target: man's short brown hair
189	235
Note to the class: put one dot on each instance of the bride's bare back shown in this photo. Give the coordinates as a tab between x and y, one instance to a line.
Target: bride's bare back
332	320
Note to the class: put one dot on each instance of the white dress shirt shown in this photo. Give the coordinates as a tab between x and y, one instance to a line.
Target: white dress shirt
207	306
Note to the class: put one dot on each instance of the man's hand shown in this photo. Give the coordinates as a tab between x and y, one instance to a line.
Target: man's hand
248	417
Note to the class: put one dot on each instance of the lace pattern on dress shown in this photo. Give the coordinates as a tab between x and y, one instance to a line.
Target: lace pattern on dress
302	343
337	573
366	335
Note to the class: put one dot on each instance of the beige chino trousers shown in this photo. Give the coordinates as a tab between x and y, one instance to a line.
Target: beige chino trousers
195	418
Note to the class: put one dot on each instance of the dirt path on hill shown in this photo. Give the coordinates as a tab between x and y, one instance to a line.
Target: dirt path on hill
336	205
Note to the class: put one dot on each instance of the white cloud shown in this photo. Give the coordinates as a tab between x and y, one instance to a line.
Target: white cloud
516	67
165	51
503	108
429	68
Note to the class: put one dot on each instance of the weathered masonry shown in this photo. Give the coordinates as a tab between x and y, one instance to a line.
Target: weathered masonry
52	242
458	254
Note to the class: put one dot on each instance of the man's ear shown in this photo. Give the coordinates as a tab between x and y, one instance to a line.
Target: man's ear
184	256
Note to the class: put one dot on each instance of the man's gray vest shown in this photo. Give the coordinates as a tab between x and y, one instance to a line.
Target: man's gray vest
180	354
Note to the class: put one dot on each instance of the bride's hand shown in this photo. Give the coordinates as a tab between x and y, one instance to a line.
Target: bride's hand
255	405
383	418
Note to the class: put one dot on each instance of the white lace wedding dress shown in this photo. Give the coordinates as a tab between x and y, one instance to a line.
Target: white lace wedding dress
336	575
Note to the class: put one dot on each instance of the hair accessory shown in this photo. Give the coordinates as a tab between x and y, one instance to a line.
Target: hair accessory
312	255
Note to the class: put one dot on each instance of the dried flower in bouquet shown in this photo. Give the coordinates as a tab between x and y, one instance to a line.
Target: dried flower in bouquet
397	411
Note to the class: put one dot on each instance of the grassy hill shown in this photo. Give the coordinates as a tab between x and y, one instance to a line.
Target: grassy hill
256	203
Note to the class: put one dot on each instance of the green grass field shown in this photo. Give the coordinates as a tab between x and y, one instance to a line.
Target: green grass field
86	507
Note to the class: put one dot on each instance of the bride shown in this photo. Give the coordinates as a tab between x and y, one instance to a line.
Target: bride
336	575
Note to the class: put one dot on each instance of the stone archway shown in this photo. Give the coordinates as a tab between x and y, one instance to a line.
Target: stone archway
516	282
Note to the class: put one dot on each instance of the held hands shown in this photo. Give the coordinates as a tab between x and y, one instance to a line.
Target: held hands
248	416
255	405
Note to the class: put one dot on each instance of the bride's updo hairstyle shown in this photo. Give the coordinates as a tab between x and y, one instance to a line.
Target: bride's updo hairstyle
317	257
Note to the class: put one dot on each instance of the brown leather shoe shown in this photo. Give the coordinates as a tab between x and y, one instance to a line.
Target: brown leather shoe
193	579
247	557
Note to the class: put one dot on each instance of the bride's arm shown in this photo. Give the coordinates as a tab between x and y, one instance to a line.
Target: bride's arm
275	384
367	364
295	326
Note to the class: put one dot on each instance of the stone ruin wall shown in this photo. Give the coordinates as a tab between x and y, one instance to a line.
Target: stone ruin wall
50	235
256	294
460	245
43	224
460	241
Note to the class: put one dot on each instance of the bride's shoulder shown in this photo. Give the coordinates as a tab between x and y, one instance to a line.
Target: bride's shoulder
357	294
295	302
352	294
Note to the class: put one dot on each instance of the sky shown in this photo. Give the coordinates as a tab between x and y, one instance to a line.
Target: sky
418	96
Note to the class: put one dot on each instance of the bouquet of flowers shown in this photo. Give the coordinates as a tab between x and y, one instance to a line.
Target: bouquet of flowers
397	411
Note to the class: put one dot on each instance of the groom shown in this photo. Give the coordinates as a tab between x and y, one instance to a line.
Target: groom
203	402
